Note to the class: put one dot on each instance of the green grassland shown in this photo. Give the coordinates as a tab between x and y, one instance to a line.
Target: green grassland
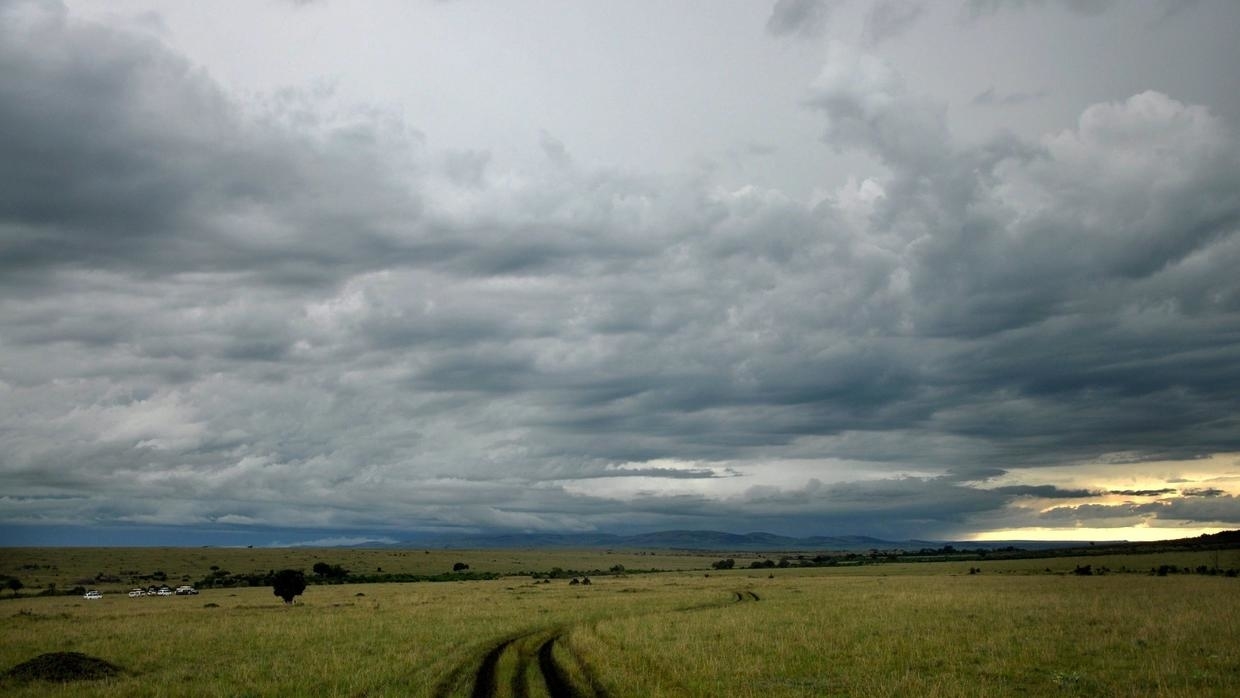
69	567
885	630
129	567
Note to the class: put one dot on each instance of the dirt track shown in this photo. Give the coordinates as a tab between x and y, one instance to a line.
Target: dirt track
530	661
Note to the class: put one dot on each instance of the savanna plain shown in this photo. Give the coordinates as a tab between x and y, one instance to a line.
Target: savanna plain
1009	628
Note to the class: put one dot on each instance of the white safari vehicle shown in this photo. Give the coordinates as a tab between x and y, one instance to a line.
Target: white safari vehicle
93	594
135	593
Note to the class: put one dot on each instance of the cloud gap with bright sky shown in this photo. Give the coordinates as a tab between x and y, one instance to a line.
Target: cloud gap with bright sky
314	270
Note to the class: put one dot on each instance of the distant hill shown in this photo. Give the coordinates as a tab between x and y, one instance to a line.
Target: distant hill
759	542
708	540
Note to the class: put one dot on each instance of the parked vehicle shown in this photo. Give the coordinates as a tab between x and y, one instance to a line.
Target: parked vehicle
135	593
93	594
186	590
164	591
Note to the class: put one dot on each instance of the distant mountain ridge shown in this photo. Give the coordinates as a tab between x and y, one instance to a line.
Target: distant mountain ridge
699	540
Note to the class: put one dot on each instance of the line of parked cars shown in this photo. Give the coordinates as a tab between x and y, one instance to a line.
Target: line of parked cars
165	590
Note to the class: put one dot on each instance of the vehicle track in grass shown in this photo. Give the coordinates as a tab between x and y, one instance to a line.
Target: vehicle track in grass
485	679
533	661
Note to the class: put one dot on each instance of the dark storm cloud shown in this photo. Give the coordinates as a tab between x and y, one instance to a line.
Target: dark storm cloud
120	155
216	312
1220	509
1091	512
940	508
1066	382
1144	493
1045	491
1203	492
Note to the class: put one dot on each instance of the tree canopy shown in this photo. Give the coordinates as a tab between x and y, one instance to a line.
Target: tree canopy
288	583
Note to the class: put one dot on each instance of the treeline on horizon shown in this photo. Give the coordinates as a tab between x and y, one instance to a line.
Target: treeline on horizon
326	573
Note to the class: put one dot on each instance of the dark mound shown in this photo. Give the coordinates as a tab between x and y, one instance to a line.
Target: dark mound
63	666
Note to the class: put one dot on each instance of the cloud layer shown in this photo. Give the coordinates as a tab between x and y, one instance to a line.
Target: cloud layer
221	312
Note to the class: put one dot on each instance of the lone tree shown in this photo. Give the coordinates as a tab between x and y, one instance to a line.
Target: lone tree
460	567
288	583
15	584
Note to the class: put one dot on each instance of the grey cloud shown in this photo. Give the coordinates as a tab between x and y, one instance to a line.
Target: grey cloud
1086	8
1223	508
1145	493
212	316
888	19
122	156
899	508
1174	8
958	223
554	149
990	97
803	18
973	473
467	168
130	160
1045	491
1203	492
1092	513
580	473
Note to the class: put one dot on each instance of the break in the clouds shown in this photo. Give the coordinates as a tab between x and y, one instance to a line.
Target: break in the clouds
439	285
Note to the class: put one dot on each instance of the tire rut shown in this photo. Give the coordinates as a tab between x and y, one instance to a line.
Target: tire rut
485	678
533	654
529	660
558	685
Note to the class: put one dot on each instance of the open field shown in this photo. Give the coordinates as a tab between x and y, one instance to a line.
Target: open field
899	629
67	567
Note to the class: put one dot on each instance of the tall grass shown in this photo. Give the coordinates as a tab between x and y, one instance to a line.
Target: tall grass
924	629
910	635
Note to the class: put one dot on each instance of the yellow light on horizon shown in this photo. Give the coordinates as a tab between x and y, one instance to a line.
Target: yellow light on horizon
1085	534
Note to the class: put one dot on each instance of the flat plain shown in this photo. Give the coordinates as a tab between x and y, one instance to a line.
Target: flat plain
1018	628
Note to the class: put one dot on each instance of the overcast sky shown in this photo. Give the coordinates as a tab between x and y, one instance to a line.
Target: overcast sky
303	269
